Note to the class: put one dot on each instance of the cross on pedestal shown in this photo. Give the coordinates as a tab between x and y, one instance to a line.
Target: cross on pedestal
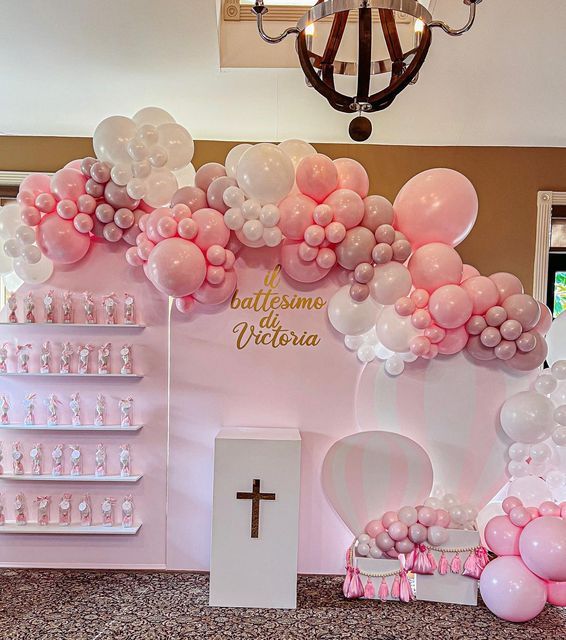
255	496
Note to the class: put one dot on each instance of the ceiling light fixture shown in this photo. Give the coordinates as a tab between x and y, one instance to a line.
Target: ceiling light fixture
320	69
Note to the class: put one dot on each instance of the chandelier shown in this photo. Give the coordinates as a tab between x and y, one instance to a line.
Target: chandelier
403	66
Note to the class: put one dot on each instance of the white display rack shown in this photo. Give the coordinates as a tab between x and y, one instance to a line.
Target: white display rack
45	477
35	374
70	427
72	529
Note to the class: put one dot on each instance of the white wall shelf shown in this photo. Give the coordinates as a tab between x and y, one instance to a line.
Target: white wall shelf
128	376
70	427
70	325
72	529
68	478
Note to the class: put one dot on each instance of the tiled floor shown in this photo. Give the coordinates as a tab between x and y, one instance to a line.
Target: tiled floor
93	605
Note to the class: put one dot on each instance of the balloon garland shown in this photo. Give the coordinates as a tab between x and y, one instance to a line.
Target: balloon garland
409	294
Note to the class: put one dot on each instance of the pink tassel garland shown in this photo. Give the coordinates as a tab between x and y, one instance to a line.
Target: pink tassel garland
405	590
356	588
369	591
443	565
383	591
456	564
347	581
432	561
472	566
395	588
422	562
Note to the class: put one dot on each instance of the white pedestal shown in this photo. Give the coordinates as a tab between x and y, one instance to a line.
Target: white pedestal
454	588
260	571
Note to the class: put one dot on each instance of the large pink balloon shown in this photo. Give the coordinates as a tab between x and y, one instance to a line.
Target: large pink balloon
435	265
377	211
176	267
36	183
212	229
502	536
450	306
507	284
483	293
533	359
207	173
295	267
352	175
317	177
215	193
390	282
296	215
347	207
60	241
217	293
369	473
68	184
193	197
543	547
511	591
355	248
523	308
438	205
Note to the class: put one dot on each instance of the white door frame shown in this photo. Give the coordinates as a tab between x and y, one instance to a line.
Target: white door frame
545	201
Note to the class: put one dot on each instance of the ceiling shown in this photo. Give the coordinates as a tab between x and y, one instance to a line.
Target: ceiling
66	65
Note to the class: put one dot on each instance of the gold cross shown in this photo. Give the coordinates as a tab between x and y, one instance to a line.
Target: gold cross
255	496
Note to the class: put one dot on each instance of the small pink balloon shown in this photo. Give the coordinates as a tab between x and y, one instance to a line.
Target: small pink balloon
326	258
167	227
495	316
145	247
100	172
188	229
124	218
401	250
404	546
352	176
427	516
217	293
469	272
185	304
296	215
216	255
502	536
192	197
359	292
86	204
531	360
132	257
420	297
397	530
408	515
299	269
507	285
30	216
543	547
83	223
419	346
421	319
490	337
86	166
526	342
511	329
475	325
384	541
215	193
93	188
382	253
435	265
388	518
118	197
347	207
505	350
450	306
377	211
306	252
363	273
548	508
417	533
112	233
374	528
206	175
322	214
68	184
335	232
180	212
435	334
478	351
45	202
442	518
519	516
483	293
510	503
25	198
215	275
454	341
534	512
385	233
60	241
390	282
314	235
317	177
404	306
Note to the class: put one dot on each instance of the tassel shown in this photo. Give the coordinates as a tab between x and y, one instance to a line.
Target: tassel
432	561
483	559
405	590
472	567
347	581
369	591
410	559
456	564
422	563
383	590
443	565
356	589
395	588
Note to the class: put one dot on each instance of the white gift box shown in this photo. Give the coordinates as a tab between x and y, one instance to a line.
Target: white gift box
452	587
260	570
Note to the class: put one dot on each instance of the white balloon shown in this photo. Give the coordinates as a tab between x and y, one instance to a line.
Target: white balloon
531	490
233	159
366	353
546	383
233	197
518	451
558	369
178	143
160	186
353	343
297	150
255	244
266	173
152	115
25	234
136	188
269	215
13	248
252	230
395	365
111	138
31	254
186	176
10	220
349	317
234	219
527	417
251	209
34	273
394	331
6	263
121	174
272	236
556	339
158	156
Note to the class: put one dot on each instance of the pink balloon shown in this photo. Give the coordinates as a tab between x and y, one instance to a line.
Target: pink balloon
427	516
193	197
519	516
30	216
502	536
212	229
347	207
356	248
167	227
545	322
68	184
215	193
124	218
377	211
454	341
67	209
152	223
549	508
60	241
469	272
435	334
45	202
478	351
419	346
296	213
317	177
434	266
421	318
420	297
384	541
557	593
405	307
83	222
86	204
112	233
74	164
390	282
352	175
475	325
438	205
442	518
495	316
543	548
526	342
36	183
417	533
105	212
507	284
176	267
531	360
217	293
490	337
185	305
505	350
94	189
398	531
482	292
118	197
510	503
298	269
206	174
511	329
523	308
388	518
187	228
132	257
450	306
511	591
373	528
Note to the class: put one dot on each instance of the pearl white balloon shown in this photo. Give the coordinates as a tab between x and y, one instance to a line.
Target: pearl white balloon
556	339
111	138
161	185
31	254
269	215
265	173
558	369
349	317
233	197
546	384
251	210
25	234
233	159
186	176
518	468
366	353
34	273
560	415
121	174
518	451
10	220
152	115
178	143
394	331
540	452
353	343
13	248
530	490
559	437
297	150
234	219
252	230
363	549
527	417
272	236
395	365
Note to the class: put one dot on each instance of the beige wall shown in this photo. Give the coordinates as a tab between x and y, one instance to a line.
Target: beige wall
506	179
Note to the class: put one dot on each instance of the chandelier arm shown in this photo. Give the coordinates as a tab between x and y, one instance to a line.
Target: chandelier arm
364	54
259	10
331	50
457	32
392	40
